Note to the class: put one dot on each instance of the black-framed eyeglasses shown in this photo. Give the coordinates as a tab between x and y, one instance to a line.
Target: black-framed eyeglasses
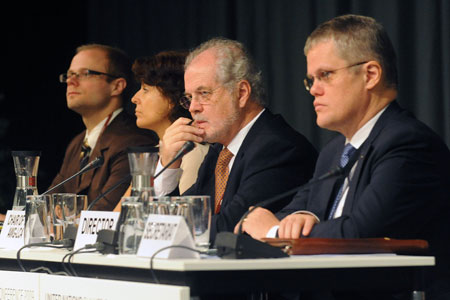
324	75
83	74
203	97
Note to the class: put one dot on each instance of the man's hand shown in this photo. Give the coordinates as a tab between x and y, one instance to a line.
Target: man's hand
174	138
258	223
292	225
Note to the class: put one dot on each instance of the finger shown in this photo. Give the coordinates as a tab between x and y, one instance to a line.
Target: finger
309	224
296	229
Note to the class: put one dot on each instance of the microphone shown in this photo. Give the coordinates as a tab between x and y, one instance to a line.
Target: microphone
230	245
187	147
122	181
336	172
97	162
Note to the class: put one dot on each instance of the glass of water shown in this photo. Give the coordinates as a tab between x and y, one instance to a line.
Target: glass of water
201	211
37	227
132	226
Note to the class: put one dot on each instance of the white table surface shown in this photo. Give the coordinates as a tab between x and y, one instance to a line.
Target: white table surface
215	263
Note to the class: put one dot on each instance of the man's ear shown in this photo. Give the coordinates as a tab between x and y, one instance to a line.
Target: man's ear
118	86
244	91
373	74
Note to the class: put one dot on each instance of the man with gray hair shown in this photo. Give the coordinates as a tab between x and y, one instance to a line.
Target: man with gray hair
255	155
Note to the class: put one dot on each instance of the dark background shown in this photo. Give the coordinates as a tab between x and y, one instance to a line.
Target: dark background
38	42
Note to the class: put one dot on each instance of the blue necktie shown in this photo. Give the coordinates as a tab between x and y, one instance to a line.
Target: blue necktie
346	154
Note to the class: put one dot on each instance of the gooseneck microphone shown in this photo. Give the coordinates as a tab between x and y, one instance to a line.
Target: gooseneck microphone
236	246
122	181
336	172
95	163
187	147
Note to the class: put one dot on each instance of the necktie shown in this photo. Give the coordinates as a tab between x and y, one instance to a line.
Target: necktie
84	155
221	174
346	154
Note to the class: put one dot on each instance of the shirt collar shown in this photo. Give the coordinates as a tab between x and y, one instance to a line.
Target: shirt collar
363	133
92	136
237	141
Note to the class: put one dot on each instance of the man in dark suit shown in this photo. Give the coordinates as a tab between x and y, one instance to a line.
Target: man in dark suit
399	186
96	87
257	152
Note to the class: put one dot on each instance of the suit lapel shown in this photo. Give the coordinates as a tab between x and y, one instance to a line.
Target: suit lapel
366	149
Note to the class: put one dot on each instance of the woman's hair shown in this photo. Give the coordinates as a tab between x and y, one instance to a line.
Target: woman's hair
165	71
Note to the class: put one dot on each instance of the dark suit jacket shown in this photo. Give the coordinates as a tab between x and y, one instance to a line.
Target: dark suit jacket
112	145
272	159
400	187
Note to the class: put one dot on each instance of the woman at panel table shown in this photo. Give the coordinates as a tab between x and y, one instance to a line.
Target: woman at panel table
158	105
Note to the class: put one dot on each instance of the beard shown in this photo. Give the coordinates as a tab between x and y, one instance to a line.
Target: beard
220	129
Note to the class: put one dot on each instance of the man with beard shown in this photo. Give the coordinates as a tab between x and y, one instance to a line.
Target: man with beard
255	154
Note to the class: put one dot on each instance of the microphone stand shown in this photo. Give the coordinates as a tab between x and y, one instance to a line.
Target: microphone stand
97	162
237	246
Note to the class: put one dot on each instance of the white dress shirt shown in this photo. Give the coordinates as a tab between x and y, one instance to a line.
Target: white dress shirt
92	136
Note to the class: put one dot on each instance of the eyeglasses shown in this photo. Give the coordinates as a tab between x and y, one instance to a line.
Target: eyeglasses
324	76
83	74
203	97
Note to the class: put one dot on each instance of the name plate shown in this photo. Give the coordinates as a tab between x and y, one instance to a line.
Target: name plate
91	222
12	236
163	231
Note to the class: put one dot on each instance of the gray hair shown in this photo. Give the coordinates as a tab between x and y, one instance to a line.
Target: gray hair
358	38
234	64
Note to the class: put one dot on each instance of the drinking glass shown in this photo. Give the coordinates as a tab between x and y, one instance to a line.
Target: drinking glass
81	204
201	210
132	226
63	212
37	229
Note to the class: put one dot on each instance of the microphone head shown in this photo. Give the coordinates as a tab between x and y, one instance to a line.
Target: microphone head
188	146
98	161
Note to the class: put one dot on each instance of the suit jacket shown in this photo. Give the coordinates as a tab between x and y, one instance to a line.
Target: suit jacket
112	145
272	159
400	188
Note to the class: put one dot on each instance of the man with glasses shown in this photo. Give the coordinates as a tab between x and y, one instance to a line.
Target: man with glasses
255	154
397	181
97	82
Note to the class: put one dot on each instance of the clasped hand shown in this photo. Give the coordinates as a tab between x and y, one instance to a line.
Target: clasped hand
258	223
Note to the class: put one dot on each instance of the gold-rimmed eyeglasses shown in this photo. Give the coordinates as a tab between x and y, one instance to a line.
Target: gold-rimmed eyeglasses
324	75
203	96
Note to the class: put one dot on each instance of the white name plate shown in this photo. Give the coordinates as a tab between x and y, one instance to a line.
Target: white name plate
91	222
163	231
12	236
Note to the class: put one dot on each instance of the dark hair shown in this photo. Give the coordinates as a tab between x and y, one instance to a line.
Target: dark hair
359	38
119	63
165	70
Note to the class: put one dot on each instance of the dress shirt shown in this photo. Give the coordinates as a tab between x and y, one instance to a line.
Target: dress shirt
92	136
168	180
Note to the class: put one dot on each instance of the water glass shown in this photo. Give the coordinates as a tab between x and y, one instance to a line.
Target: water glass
158	205
81	204
63	212
37	228
201	210
132	225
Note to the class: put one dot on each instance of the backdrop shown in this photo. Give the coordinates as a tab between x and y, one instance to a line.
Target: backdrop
39	41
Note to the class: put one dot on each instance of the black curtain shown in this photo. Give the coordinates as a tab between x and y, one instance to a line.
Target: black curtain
33	111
